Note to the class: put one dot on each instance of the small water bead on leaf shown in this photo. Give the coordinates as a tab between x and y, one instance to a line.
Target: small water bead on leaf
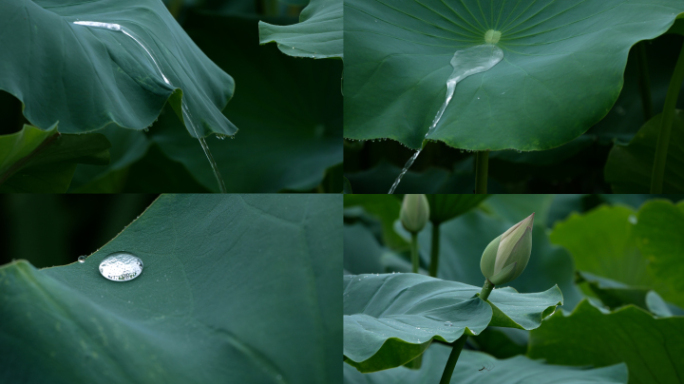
448	324
121	266
81	259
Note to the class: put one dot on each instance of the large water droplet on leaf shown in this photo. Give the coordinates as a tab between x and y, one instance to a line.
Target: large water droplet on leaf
121	266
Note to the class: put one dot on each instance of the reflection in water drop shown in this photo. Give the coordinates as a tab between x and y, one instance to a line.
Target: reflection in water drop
466	62
121	266
81	259
187	118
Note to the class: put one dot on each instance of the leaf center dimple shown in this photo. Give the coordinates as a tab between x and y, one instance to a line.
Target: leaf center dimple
492	36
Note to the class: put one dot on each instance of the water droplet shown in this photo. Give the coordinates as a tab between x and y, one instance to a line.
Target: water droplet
121	266
220	136
448	324
81	259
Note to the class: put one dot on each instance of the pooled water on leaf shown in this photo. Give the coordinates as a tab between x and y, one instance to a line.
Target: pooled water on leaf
121	266
81	259
466	62
187	118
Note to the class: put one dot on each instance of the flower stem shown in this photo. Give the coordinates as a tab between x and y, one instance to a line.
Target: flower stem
666	119
644	81
453	358
481	171
434	250
458	344
414	251
486	290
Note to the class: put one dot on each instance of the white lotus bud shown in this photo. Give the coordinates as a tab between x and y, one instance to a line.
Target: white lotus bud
506	257
415	212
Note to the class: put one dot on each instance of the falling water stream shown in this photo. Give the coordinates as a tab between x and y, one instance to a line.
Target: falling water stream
466	62
187	117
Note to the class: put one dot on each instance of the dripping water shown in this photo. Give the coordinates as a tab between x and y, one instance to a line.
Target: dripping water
466	62
408	165
187	117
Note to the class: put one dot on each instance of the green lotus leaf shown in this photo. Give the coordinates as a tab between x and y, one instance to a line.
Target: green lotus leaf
629	167
463	240
121	71
658	233
36	160
231	284
502	342
291	112
607	232
391	319
479	368
128	147
561	72
318	34
651	347
614	294
611	232
386	210
446	207
362	252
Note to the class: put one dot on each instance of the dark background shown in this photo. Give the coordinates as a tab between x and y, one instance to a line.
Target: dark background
50	230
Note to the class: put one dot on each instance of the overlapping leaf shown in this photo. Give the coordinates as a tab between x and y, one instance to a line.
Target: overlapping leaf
318	34
91	76
231	285
629	167
639	255
659	237
446	207
614	294
556	54
480	368
651	347
35	160
463	240
391	319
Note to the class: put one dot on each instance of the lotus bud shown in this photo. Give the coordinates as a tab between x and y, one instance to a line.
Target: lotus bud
415	212
506	257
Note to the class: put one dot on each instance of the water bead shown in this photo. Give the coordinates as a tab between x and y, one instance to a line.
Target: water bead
121	266
81	259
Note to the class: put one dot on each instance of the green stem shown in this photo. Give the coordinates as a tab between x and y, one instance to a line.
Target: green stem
414	252
458	344
434	250
486	290
453	358
644	81
481	171
666	125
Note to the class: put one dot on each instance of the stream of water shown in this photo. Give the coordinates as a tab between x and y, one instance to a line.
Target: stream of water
466	62
187	117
